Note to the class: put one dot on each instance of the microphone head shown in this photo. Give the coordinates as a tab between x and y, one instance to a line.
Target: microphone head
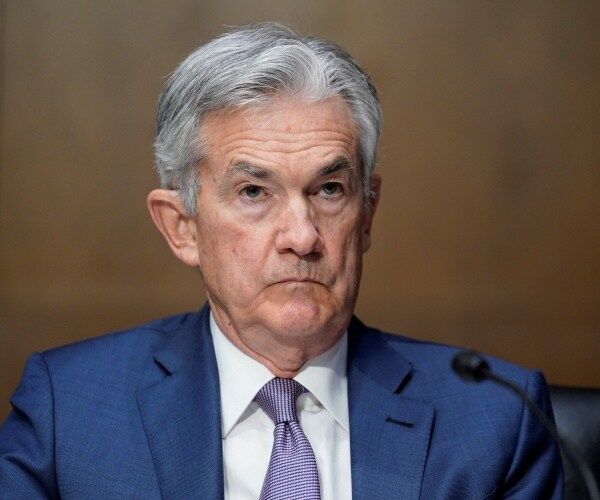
471	366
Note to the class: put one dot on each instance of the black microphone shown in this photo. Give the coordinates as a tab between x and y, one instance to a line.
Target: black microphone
472	367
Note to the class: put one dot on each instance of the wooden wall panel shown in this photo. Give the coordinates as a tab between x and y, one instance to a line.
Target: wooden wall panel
487	234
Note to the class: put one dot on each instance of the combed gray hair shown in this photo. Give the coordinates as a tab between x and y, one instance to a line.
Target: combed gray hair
249	66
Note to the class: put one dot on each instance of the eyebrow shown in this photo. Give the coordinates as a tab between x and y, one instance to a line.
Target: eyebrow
259	173
337	166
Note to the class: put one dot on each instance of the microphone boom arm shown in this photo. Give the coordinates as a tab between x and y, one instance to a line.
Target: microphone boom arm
472	367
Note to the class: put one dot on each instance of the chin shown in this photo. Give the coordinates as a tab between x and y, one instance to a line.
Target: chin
306	318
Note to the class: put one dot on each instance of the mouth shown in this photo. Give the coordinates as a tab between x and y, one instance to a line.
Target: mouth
297	281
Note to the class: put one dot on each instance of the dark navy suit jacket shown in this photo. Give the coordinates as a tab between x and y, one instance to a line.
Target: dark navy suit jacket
137	415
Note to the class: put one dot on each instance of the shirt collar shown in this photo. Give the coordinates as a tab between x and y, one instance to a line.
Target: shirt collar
323	376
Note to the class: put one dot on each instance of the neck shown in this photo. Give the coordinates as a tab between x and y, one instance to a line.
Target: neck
283	355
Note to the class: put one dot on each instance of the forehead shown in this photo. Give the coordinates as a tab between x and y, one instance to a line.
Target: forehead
282	129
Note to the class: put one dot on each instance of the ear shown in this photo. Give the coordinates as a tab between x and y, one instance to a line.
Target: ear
369	212
178	228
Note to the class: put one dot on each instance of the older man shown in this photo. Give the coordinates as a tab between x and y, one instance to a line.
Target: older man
266	147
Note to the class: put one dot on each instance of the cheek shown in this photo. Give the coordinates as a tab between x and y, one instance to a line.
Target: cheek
230	250
345	252
347	237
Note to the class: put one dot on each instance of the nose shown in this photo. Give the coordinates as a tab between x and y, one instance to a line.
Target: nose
298	232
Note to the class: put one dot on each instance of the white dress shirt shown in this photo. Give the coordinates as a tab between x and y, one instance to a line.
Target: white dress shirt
248	431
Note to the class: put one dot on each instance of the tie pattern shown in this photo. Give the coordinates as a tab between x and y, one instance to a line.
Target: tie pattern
292	472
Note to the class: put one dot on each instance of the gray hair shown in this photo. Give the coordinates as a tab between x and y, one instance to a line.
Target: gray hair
249	66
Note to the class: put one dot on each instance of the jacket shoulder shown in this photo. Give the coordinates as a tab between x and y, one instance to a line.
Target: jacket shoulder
121	347
428	358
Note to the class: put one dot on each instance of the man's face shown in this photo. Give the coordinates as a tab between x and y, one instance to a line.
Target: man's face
282	222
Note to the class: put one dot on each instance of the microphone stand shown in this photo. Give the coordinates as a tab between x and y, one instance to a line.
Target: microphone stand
472	367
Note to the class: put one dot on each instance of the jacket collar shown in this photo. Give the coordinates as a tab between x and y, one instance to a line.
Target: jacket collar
389	432
181	413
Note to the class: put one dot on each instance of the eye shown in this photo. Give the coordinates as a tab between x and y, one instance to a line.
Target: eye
331	188
251	191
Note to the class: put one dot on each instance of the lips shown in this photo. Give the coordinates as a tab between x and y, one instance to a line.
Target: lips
297	281
305	275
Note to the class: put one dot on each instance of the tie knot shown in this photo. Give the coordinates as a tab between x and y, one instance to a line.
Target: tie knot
278	399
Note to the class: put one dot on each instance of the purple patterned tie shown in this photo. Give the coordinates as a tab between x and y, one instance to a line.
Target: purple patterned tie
292	472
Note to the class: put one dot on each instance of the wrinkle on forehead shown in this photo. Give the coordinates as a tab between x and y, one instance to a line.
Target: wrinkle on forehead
302	124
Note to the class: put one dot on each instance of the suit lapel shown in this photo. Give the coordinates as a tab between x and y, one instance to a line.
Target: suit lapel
389	433
181	415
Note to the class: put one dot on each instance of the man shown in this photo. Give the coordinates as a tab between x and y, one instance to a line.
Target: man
266	147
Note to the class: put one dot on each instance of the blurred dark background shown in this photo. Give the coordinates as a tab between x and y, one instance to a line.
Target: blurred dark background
488	230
